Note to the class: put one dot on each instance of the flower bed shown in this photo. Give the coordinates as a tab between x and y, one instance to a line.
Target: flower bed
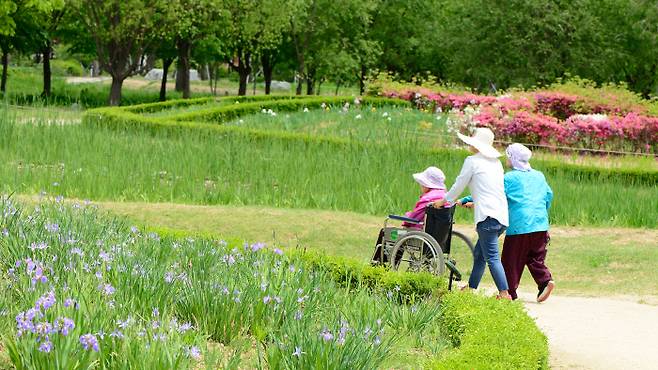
547	117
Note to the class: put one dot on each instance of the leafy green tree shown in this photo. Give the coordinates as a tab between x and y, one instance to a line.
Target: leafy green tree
191	21
255	28
628	39
489	44
407	33
50	20
211	51
120	30
23	29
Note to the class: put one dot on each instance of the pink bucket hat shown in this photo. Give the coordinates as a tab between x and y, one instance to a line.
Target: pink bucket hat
432	178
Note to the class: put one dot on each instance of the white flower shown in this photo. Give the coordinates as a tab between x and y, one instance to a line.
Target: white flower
385	114
358	116
305	110
590	117
389	119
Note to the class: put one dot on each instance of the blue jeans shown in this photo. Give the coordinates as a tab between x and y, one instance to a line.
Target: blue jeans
486	253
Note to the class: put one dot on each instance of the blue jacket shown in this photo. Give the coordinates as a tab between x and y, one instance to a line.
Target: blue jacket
529	198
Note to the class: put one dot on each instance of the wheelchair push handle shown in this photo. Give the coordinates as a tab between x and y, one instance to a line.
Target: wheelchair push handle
445	206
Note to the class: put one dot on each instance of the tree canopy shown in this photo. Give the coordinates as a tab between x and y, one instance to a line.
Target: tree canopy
485	45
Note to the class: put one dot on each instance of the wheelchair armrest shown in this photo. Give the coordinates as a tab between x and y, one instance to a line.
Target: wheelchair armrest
405	219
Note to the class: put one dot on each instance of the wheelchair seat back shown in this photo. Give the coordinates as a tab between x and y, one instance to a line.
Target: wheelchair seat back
438	223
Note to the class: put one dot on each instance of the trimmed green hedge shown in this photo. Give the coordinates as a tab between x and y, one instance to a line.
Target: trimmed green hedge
159	106
490	334
351	273
229	112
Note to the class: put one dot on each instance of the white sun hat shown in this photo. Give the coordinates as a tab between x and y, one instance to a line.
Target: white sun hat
482	140
432	178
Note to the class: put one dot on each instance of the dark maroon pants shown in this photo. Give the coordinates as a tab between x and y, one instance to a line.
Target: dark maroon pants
525	250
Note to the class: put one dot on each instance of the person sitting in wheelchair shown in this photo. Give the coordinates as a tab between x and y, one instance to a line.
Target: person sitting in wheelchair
432	185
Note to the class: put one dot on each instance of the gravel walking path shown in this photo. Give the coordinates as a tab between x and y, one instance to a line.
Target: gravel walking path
597	333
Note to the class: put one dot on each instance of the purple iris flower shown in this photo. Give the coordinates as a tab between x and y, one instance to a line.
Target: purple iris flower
46	346
89	341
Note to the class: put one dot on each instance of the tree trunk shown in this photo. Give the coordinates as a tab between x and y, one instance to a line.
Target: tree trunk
242	90
47	73
362	79
300	60
5	66
95	69
203	72
183	74
337	88
309	87
298	90
115	91
244	69
166	63
254	85
150	63
268	67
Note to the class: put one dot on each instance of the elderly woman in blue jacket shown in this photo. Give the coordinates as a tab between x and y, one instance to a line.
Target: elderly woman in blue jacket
529	198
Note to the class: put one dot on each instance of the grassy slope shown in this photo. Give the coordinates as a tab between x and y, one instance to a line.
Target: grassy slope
590	261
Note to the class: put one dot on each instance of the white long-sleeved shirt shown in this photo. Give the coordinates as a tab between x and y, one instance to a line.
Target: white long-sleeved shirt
485	177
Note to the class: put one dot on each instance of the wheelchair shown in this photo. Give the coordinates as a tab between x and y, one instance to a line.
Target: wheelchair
434	249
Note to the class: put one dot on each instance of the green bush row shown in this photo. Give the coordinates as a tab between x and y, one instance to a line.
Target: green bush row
489	334
177	103
351	273
229	112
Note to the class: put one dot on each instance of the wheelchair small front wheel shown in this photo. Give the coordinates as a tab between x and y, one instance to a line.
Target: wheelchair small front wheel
417	251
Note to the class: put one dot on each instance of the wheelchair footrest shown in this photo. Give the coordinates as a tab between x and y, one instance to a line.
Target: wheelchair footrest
454	272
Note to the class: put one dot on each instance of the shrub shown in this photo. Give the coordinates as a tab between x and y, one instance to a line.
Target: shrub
61	67
490	334
226	113
576	114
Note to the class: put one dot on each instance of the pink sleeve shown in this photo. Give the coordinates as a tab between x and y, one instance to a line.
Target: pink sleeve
419	210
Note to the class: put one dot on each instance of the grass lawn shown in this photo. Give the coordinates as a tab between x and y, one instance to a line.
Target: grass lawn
584	261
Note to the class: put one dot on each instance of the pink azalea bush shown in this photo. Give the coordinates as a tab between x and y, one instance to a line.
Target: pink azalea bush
547	117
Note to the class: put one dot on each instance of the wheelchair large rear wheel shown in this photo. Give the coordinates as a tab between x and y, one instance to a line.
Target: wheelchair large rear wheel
417	251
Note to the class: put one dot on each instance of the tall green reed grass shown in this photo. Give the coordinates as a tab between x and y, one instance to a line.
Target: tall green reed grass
77	161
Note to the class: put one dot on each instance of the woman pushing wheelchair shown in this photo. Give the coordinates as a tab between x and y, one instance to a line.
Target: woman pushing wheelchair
483	173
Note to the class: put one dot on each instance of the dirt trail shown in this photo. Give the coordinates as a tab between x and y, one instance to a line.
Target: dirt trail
597	333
